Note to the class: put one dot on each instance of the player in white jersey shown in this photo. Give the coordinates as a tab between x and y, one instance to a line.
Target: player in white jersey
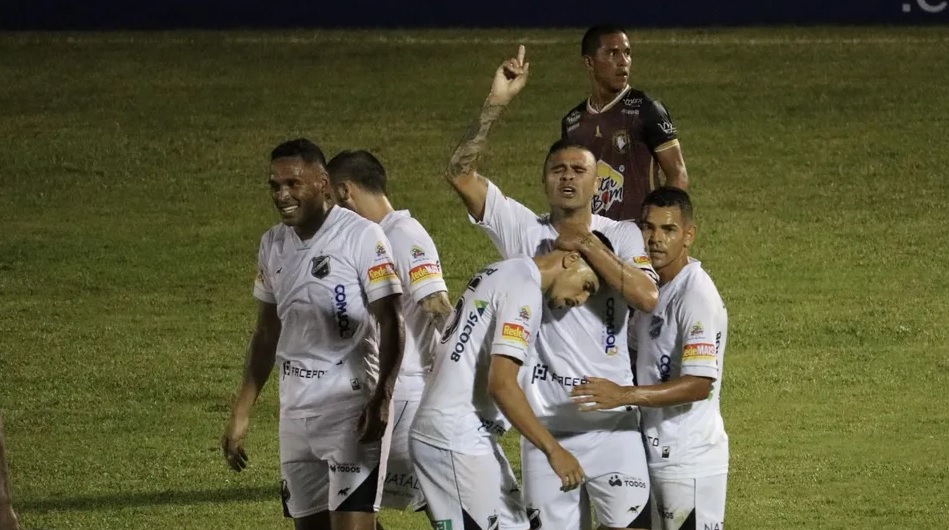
330	317
576	343
679	360
359	183
475	379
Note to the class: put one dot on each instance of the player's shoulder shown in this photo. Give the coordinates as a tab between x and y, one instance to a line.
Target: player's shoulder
612	229
697	284
275	235
405	227
573	115
350	222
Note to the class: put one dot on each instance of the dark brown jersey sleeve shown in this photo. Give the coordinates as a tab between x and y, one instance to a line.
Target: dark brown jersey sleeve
658	127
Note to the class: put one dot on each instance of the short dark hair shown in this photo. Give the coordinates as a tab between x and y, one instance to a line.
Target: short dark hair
669	196
562	145
301	147
591	39
361	167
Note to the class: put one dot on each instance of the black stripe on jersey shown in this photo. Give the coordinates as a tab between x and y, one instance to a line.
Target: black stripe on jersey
363	499
644	519
689	523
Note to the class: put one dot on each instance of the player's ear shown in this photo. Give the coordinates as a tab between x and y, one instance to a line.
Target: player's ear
570	259
691	230
587	62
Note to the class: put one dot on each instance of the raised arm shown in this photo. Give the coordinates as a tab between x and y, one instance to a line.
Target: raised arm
261	354
509	79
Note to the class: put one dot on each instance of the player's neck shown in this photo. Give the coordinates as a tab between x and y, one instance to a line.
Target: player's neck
672	269
311	226
549	265
375	208
560	217
601	96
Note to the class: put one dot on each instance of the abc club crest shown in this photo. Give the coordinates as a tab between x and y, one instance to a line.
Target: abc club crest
320	266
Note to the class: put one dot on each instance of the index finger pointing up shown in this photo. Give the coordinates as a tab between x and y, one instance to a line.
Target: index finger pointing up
520	55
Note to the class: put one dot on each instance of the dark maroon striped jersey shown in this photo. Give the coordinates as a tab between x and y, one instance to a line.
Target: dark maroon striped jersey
624	137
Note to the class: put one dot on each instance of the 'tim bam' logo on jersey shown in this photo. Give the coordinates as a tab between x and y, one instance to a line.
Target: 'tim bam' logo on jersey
611	187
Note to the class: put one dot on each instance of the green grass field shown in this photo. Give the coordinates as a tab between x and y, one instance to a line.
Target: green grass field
132	199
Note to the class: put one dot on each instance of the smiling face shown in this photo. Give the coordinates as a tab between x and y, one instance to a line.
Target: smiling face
570	179
574	285
297	189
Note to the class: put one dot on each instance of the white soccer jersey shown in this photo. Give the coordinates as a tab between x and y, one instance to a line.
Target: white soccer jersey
328	351
590	340
684	335
498	314
419	269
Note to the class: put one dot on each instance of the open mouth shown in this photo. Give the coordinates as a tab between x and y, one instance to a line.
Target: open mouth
568	192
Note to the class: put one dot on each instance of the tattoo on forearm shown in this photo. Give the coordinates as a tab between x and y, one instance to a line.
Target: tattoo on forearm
437	306
466	155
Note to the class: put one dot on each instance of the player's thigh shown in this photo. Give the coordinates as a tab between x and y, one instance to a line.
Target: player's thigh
353	520
461	491
547	506
305	477
400	488
512	514
690	504
617	477
356	470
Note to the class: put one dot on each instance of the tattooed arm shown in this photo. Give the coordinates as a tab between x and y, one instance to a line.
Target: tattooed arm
509	79
635	286
437	307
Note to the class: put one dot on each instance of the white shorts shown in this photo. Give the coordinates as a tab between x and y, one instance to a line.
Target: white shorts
401	489
617	482
689	504
324	467
470	492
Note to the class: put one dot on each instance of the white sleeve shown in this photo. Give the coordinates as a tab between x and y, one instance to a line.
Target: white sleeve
517	320
416	260
699	318
262	289
373	255
630	247
505	220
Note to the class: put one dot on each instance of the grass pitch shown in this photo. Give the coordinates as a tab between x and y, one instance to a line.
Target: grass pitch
132	199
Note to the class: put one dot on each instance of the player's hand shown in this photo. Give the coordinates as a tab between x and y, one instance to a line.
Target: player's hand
599	394
8	520
566	466
574	238
232	443
509	79
373	420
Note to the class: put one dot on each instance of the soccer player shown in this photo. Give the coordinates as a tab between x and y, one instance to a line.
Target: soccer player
8	519
681	351
454	437
359	183
628	132
585	340
330	315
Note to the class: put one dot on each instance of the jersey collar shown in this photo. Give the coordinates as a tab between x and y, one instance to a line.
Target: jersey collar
609	105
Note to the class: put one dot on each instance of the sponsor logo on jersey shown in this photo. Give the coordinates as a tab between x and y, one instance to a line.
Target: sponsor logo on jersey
697	330
642	260
621	142
320	266
524	314
630	112
667	127
295	371
382	272
465	336
492	427
342	317
402	480
611	187
629	102
417	252
515	333
617	481
426	271
480	305
573	117
380	249
609	341
701	351
542	372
